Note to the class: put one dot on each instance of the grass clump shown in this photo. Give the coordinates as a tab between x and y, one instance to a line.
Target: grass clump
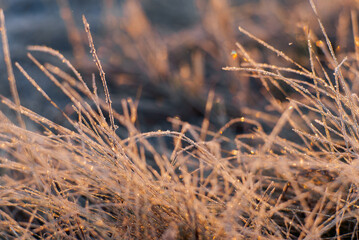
293	175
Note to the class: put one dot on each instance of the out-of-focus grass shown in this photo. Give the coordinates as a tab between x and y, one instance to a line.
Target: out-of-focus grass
291	173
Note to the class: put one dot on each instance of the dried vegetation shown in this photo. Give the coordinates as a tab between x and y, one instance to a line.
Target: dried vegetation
291	172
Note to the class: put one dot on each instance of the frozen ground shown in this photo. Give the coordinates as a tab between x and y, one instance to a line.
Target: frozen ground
182	27
32	22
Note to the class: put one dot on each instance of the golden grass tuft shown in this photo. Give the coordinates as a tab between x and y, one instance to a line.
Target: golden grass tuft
297	180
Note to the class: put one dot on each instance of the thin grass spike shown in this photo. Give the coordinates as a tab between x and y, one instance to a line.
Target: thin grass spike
102	73
9	68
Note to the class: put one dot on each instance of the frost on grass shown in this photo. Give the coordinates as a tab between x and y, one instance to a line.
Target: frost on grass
298	180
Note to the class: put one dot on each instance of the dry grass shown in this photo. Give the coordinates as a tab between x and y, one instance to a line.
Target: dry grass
292	175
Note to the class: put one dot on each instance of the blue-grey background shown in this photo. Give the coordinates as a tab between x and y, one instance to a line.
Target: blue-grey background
39	22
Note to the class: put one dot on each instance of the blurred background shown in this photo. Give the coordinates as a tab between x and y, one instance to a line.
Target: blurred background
168	55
